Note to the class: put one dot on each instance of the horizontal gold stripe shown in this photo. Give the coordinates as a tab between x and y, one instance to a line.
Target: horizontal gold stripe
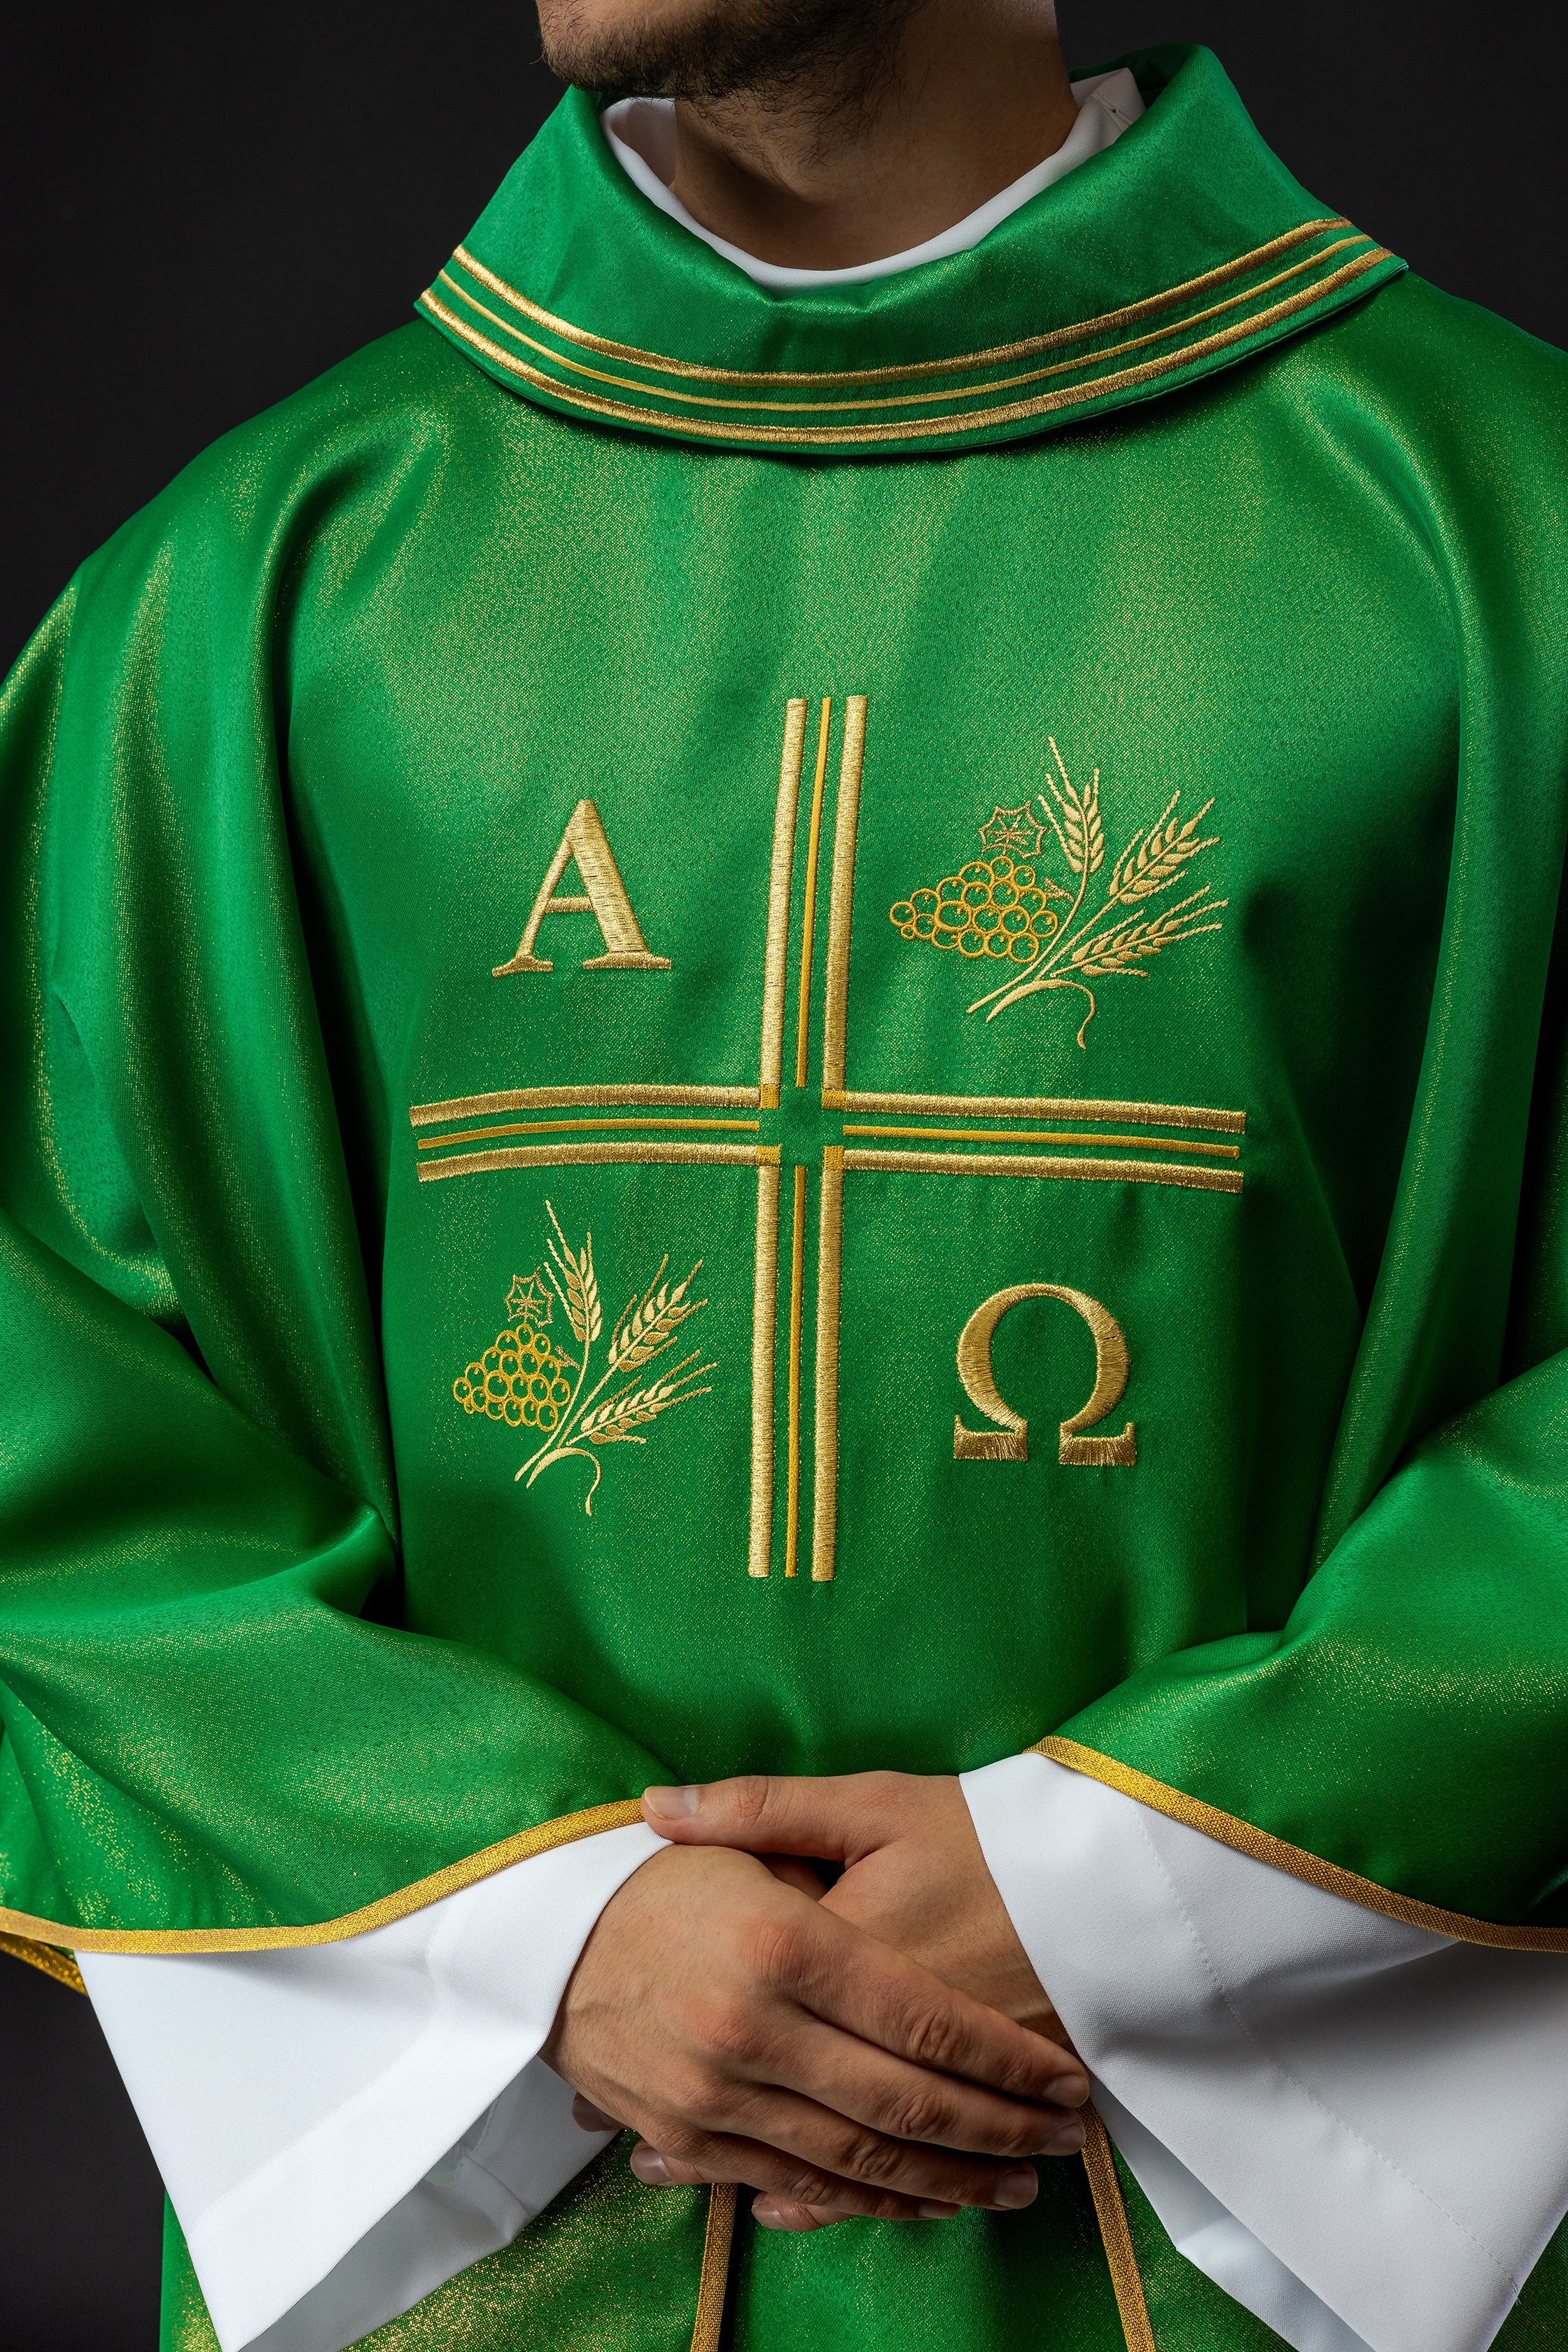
608	1097
565	1830
605	1155
577	1126
1051	1135
1007	1163
904	399
1310	1867
59	1965
995	355
1133	1114
909	428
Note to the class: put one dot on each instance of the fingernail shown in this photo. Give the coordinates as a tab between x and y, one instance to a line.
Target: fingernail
1069	2091
930	2211
766	2212
670	1804
649	2166
1016	2189
1067	2142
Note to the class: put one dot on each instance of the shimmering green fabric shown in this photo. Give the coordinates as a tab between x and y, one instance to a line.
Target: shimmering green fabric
281	1631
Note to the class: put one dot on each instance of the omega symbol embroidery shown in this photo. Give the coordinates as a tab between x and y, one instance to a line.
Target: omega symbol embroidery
626	950
1009	1440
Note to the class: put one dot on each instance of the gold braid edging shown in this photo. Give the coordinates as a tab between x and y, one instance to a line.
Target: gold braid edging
1496	1935
21	1927
1121	2254
56	1964
715	2278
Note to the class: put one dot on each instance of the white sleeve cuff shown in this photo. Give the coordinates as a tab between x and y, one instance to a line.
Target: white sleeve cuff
366	2118
1356	2128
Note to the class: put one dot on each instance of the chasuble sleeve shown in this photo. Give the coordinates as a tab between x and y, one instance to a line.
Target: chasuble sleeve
204	1730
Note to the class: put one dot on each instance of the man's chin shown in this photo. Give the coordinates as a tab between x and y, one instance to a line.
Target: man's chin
713	49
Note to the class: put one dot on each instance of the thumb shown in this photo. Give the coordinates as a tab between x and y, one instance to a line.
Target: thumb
838	1820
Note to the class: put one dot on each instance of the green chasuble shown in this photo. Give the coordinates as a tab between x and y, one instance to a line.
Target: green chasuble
795	1032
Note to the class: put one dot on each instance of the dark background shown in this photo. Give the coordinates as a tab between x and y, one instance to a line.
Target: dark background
202	210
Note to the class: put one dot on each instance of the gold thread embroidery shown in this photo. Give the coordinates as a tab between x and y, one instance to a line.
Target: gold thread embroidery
604	1155
796	1317
1001	908
765	1314
824	1435
1047	1135
1250	294
52	1963
1224	1122
433	1114
841	903
786	816
1310	1868
1116	2234
1009	1440
523	1379
914	428
626	950
808	910
1107	322
584	1126
1101	1172
714	2278
563	1831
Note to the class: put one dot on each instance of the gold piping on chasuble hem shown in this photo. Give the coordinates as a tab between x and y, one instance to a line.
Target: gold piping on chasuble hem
1244	1837
1007	1163
714	2277
764	1318
1132	1114
605	1155
1116	2234
44	1956
622	1812
765	431
824	1434
605	1097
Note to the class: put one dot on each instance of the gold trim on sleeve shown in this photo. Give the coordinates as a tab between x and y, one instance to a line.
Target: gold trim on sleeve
841	903
1498	1935
1134	1114
824	1431
1007	1163
610	1098
808	908
785	817
996	354
565	1830
765	1317
605	1155
796	1319
44	1956
714	2277
1116	2233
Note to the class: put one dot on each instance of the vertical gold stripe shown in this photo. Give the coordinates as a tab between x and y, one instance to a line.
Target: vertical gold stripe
808	913
796	1301
715	2275
841	906
774	974
824	1434
764	1316
1119	2252
56	1964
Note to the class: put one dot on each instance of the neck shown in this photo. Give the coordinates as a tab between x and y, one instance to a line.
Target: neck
815	175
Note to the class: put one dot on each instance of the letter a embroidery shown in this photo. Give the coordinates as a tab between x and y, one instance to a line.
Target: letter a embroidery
626	950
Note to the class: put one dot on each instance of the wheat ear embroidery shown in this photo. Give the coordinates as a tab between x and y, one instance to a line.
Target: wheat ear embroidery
524	1380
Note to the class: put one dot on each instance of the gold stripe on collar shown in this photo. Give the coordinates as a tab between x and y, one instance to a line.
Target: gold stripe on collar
769	436
1498	1935
1107	322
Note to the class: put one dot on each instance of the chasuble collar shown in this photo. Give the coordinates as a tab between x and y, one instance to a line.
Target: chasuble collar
1185	247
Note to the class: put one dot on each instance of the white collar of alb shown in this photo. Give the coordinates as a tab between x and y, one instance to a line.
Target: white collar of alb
640	133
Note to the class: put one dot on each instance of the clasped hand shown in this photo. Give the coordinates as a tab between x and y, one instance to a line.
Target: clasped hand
884	2048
